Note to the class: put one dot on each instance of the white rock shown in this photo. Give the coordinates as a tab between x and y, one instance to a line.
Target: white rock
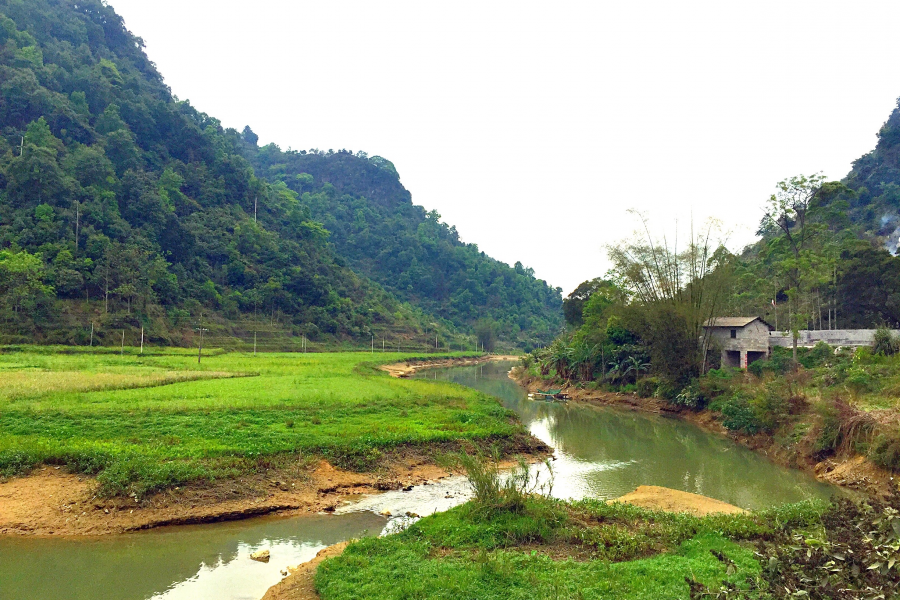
260	555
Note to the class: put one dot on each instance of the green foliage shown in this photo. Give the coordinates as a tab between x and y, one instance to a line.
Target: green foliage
739	414
885	450
496	492
647	386
885	342
691	396
779	363
855	553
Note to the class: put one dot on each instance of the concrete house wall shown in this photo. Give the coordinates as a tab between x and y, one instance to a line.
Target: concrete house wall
744	340
741	342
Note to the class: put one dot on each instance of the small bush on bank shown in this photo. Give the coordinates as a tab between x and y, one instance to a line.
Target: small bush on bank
817	356
667	390
739	415
829	436
691	396
771	407
859	381
779	363
647	386
885	451
885	342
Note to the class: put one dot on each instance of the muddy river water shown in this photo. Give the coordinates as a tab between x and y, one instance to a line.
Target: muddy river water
600	452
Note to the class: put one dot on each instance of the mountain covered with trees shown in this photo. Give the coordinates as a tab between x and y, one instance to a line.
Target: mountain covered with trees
122	207
408	250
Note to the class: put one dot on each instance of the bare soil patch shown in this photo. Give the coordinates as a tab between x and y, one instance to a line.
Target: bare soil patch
406	369
300	583
655	497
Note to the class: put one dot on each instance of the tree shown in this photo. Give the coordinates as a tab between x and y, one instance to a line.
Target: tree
788	210
21	279
573	304
674	293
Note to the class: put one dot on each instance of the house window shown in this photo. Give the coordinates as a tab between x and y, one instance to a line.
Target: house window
734	333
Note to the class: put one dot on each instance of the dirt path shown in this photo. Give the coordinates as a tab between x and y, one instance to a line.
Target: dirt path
53	502
405	369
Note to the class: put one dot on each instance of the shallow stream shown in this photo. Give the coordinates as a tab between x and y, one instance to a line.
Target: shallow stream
600	452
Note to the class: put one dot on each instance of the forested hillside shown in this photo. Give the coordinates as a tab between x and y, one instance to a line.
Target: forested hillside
408	250
875	179
122	207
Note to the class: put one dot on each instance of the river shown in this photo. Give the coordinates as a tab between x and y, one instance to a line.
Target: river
600	452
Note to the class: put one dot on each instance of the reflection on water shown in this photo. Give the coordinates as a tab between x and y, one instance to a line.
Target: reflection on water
182	563
605	452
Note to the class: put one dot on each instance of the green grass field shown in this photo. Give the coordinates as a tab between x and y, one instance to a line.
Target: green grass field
587	550
146	422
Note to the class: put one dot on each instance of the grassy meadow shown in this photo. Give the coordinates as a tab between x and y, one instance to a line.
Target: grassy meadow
142	423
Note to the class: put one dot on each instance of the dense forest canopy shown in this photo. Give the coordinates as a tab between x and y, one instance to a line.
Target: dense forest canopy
123	206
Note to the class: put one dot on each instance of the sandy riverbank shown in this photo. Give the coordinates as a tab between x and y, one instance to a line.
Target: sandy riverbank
408	368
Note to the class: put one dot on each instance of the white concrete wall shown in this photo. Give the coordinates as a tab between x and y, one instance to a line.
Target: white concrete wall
833	337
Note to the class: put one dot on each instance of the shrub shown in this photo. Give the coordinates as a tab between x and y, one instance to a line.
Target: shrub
885	342
853	554
779	363
667	390
690	397
717	383
885	451
771	407
859	380
647	386
739	415
816	356
830	434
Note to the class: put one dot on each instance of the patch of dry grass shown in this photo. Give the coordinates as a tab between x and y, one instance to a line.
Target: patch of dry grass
30	384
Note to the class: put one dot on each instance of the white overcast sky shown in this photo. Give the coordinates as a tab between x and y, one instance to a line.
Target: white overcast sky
534	126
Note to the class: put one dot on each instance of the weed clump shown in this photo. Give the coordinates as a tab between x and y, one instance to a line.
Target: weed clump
498	492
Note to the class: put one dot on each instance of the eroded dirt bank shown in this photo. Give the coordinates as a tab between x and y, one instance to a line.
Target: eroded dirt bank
406	369
300	582
850	471
50	501
53	502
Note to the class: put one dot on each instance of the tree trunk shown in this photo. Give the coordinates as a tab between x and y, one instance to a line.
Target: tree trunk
795	348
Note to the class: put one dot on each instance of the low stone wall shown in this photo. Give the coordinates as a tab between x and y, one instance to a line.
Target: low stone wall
832	337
